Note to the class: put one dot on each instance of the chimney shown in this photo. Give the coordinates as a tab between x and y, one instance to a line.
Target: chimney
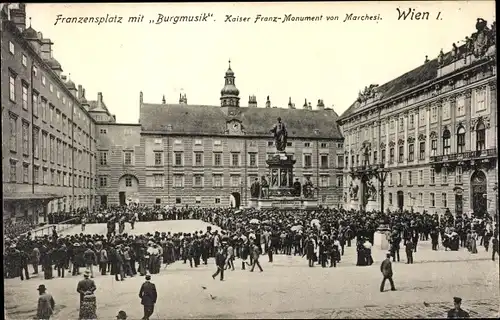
252	101
18	17
80	92
99	99
46	49
321	105
141	99
309	106
290	104
182	98
268	103
163	100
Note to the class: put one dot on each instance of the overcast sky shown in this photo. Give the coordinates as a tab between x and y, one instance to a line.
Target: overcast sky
329	60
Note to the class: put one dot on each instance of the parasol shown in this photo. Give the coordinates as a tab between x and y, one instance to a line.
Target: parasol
315	222
254	221
266	222
296	228
367	245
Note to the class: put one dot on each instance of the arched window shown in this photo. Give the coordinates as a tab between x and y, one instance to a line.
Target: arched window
480	136
460	140
446	142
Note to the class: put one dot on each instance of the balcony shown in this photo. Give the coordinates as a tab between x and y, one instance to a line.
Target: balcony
486	157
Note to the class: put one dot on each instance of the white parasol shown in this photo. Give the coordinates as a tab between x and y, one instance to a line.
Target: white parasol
315	222
254	221
296	228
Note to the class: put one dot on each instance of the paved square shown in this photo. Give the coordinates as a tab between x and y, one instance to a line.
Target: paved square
287	288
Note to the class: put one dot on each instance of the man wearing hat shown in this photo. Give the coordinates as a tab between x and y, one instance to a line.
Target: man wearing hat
386	269
457	312
46	304
148	297
121	315
85	285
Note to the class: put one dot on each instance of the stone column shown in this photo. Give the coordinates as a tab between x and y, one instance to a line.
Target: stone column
405	146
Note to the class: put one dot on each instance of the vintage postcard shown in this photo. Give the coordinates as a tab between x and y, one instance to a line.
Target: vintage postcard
250	160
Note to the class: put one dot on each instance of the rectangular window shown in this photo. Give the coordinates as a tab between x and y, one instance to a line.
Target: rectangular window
433	199
444	175
103	181
24	88
103	158
198	180
410	178
26	141
158	158
36	142
51	87
390	198
460	106
217	159
197	142
218	180
11	47
217	200
401	154
103	131
458	175
51	114
44	80
340	160
270	143
235	159
12	88
434	147
127	158
24	60
324	161
178	158
178	180
411	152
480	99
44	146
252	159
13	171
307	161
434	114
178	200
411	121
401	124
36	175
307	144
13	133
158	178
235	181
432	175
420	199
444	200
198	159
391	180
35	104
324	145
420	177
400	178
383	155
391	155
323	181
421	151
340	181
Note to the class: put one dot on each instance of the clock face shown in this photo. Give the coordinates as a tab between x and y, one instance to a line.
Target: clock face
235	126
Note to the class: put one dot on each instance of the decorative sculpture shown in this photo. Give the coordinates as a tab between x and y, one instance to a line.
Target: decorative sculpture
280	135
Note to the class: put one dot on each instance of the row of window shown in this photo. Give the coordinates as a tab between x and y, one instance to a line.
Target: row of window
157	180
420	200
199	142
458	105
410	175
49	177
53	149
217	159
446	147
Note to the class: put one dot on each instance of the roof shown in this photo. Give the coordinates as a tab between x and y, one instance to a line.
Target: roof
212	120
417	76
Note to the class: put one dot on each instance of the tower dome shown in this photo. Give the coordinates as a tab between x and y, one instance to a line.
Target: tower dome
229	94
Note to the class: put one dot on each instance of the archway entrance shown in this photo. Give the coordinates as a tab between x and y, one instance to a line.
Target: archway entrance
479	196
235	200
128	189
401	198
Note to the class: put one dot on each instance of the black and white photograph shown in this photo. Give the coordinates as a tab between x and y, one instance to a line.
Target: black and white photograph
250	160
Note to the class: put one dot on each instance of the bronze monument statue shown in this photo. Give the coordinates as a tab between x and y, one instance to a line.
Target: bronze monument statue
280	135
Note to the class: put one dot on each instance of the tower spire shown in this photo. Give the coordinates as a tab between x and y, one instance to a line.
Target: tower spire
229	94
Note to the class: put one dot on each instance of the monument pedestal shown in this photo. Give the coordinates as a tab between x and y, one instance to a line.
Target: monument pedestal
381	237
287	203
371	205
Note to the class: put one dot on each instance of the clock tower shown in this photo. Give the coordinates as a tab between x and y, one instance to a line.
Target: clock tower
229	95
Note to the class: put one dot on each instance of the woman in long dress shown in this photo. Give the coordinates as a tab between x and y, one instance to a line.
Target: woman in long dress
473	243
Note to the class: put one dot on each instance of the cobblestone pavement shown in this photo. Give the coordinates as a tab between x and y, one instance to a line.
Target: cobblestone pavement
286	289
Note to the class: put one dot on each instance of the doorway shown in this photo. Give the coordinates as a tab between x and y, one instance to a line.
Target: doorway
122	197
401	198
235	200
479	196
459	205
104	201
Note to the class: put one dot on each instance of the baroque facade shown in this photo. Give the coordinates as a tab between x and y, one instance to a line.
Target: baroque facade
49	140
433	129
199	155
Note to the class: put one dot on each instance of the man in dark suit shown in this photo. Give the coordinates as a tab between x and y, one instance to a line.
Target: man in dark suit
85	285
386	269
220	262
296	187
148	297
457	312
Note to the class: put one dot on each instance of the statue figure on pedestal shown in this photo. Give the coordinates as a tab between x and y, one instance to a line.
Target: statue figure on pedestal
264	186
308	188
274	178
353	191
371	191
296	187
255	188
280	135
284	178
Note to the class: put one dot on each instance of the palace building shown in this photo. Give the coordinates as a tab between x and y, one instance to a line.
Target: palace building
433	129
201	155
49	139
